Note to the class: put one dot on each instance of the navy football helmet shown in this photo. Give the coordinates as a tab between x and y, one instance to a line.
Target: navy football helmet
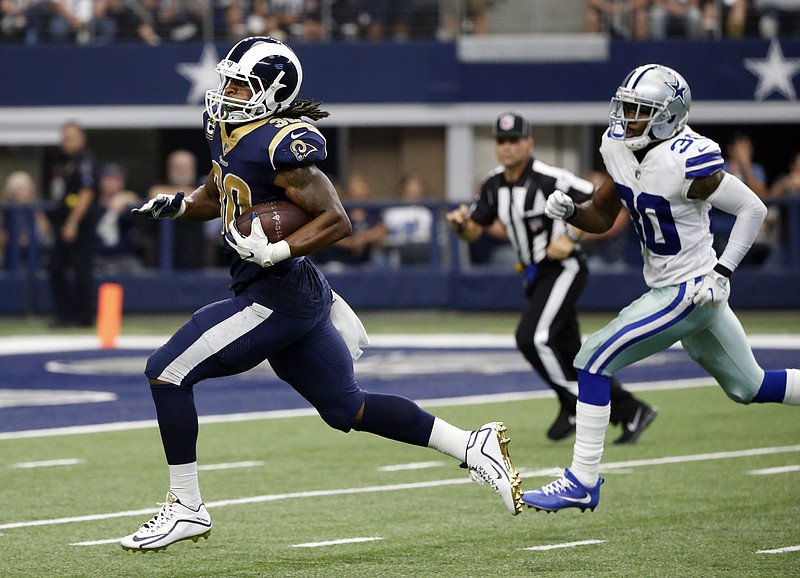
658	95
271	70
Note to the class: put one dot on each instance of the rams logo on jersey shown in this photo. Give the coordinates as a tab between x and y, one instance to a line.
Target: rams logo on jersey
301	149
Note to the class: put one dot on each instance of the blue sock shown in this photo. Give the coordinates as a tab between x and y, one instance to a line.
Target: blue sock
773	388
177	421
594	389
396	418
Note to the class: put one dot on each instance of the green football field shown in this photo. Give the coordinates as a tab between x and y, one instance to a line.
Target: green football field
712	489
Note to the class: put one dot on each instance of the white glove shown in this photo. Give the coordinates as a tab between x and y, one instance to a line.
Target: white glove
712	291
163	207
559	206
256	248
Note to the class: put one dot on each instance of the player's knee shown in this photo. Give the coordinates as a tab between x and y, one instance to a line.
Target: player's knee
341	416
739	393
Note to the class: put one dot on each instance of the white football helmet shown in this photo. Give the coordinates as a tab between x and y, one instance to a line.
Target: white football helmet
654	93
272	71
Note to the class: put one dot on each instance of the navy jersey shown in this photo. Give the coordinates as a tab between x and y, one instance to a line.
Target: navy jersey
245	160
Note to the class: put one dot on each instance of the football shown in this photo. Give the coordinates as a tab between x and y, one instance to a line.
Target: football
279	219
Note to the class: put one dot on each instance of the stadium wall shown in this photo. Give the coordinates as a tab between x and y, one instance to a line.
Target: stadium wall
554	80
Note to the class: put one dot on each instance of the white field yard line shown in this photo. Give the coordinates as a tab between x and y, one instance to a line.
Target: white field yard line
564	545
49	463
780	550
400	487
337	542
773	471
305	412
44	344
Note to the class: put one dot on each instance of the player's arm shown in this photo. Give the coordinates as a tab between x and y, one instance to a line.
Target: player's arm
201	205
311	190
729	194
595	215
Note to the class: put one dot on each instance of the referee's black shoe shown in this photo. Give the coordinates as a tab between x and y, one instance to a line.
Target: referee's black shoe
634	427
563	426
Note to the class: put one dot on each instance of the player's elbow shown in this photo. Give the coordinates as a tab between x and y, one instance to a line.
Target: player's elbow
760	210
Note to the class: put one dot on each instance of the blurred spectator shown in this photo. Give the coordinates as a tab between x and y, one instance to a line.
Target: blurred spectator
778	18
414	20
190	243
733	17
676	19
285	20
351	19
176	20
789	184
410	225
73	188
19	229
619	18
118	238
464	17
364	245
13	20
739	162
59	21
123	21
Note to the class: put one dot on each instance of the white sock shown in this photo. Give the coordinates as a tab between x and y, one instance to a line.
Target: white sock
591	422
449	439
792	394
183	483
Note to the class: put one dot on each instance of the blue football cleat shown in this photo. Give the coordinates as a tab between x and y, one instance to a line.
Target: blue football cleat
565	492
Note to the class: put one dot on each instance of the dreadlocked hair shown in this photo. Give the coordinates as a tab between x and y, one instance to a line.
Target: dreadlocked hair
301	107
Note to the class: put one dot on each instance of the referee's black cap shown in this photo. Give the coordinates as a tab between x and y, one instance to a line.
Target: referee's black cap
511	125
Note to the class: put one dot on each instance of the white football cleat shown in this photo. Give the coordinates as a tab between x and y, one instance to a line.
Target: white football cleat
488	461
173	523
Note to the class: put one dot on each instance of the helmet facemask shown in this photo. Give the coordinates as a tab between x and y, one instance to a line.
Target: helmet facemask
659	97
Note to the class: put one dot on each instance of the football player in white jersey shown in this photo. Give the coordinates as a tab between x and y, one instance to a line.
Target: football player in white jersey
668	177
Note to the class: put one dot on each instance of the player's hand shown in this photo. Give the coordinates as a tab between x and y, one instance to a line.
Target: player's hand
559	206
256	248
712	291
163	207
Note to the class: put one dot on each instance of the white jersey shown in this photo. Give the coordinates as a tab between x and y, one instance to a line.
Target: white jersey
674	231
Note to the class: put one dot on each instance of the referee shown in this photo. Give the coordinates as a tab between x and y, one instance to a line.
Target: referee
554	268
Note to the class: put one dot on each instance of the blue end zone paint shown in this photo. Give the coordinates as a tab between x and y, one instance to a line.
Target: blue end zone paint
409	372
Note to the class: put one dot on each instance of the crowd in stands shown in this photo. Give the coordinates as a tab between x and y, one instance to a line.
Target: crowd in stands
154	21
693	19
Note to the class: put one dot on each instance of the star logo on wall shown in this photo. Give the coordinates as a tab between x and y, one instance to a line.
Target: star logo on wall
202	75
775	73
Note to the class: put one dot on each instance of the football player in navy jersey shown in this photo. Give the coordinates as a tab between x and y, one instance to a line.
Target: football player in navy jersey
668	177
281	309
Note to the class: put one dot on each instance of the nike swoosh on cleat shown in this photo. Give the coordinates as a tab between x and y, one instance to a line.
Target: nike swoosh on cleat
634	423
298	135
584	500
138	539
